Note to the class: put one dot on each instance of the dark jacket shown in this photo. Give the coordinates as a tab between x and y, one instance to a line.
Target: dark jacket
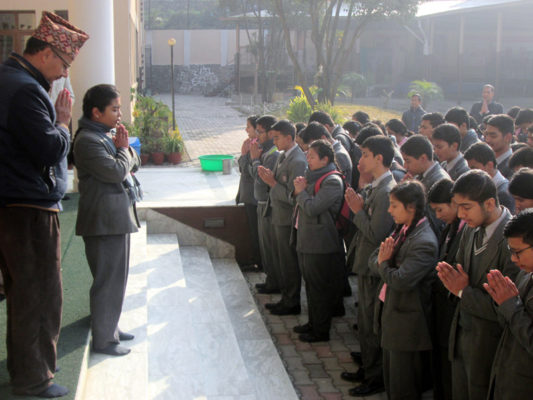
494	108
512	375
33	148
412	118
406	312
267	159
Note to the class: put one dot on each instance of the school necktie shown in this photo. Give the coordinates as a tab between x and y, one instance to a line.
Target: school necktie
478	240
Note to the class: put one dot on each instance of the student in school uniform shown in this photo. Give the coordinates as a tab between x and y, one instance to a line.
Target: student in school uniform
290	164
440	200
475	330
521	188
373	224
245	194
318	243
315	131
405	263
481	156
446	141
417	153
265	153
512	375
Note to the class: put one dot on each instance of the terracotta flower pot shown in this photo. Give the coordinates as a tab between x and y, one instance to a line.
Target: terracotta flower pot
144	158
158	157
174	158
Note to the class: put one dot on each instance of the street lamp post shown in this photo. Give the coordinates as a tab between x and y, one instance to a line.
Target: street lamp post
171	43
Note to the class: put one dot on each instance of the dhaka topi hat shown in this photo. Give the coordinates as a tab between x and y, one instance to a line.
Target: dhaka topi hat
60	34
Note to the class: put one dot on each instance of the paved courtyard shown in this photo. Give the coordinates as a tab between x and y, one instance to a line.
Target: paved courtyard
208	125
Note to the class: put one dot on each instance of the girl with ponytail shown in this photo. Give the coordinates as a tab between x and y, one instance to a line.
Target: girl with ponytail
406	261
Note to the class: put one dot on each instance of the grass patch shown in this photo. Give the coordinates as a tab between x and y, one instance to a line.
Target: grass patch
75	323
346	110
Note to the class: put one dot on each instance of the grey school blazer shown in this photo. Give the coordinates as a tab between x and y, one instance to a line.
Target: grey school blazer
105	207
512	372
460	167
405	316
317	233
374	224
280	196
475	308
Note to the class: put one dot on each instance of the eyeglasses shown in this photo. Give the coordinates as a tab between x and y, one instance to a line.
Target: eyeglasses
517	253
66	65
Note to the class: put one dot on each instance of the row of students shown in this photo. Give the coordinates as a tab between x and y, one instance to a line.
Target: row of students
367	207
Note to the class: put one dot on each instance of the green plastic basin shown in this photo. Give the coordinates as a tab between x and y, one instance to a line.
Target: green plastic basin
214	162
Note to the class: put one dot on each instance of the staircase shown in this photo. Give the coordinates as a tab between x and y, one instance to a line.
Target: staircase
198	333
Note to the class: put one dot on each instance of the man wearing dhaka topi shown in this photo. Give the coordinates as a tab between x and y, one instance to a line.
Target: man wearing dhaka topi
34	138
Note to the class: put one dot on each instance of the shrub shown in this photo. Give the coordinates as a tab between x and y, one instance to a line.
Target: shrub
357	84
428	90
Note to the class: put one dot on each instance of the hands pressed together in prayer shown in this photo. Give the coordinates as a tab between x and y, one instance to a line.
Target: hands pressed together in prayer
455	280
355	200
267	176
386	249
63	107
300	183
255	151
501	288
121	138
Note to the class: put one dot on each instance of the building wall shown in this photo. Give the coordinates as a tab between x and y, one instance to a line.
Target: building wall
128	46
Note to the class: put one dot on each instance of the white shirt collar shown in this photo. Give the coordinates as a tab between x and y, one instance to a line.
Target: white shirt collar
451	164
376	182
434	165
489	229
502	157
499	179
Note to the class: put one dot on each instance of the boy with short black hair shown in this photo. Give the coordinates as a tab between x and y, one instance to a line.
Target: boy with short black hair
499	136
521	188
460	118
475	331
481	156
315	131
265	153
429	122
290	164
512	375
373	224
446	142
522	158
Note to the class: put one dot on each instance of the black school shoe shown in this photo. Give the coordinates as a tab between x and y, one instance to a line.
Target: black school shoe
367	388
312	337
283	310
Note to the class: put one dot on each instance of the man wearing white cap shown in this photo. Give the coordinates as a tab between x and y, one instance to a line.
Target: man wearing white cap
34	142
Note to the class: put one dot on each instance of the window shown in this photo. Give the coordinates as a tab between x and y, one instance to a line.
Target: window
15	28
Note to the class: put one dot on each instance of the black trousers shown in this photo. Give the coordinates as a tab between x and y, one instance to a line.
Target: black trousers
108	258
291	277
371	354
266	245
251	216
404	373
324	282
30	261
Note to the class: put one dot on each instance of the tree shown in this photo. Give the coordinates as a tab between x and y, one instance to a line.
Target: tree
335	26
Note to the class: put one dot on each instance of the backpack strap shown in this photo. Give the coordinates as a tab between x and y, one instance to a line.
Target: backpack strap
321	179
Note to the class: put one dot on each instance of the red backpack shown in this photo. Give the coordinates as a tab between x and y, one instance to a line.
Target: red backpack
342	221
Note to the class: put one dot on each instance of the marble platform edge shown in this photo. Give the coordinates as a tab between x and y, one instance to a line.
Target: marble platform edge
158	223
263	361
82	379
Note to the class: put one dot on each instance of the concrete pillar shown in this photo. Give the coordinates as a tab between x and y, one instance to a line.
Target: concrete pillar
95	63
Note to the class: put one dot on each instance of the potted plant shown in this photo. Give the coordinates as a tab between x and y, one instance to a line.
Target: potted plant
174	146
151	124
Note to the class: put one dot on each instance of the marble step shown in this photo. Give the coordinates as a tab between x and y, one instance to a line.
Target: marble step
105	377
263	363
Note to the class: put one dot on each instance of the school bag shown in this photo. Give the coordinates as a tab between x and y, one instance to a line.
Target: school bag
342	219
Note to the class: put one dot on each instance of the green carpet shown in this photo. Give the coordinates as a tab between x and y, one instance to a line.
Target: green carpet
75	326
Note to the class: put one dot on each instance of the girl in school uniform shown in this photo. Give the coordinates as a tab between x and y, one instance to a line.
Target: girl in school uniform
405	262
440	200
318	243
